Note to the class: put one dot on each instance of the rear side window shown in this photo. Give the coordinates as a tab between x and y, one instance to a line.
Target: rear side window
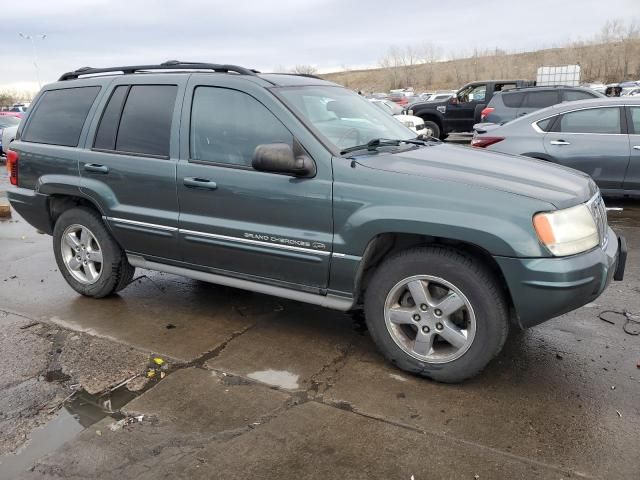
137	119
227	126
594	120
573	95
542	99
60	116
513	100
545	125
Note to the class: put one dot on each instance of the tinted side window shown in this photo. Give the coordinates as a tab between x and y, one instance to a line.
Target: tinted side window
60	115
594	120
542	99
513	100
573	95
635	120
145	126
227	126
106	136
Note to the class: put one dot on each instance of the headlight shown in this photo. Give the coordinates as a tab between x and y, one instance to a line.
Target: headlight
567	232
409	124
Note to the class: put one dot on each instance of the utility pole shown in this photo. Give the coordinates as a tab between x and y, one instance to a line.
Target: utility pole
33	51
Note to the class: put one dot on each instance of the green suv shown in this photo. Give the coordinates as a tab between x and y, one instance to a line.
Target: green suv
296	187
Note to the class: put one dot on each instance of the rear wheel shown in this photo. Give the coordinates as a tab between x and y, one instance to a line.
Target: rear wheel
89	258
436	312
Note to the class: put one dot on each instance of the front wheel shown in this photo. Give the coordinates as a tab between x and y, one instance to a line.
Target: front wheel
89	258
436	312
431	129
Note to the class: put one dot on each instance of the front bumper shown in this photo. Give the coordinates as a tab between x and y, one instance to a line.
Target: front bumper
543	288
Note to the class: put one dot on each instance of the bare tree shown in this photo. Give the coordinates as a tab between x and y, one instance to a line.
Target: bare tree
305	70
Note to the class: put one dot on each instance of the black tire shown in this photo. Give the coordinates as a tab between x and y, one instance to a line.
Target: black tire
434	127
472	278
116	272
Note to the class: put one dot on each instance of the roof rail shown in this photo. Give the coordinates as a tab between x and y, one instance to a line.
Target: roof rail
169	65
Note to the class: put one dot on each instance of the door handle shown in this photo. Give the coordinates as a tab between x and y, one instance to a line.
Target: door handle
196	182
559	142
96	168
636	147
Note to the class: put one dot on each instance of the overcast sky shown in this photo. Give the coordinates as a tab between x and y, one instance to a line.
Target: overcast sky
266	34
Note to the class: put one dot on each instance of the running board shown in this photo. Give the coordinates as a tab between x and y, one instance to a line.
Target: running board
328	301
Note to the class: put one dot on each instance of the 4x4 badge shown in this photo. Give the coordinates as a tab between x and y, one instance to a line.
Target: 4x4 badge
442	109
318	245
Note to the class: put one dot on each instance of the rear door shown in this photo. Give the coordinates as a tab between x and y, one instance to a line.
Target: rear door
129	168
592	140
533	101
238	221
632	179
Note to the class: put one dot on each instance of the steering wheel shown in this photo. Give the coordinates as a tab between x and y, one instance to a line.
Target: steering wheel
345	135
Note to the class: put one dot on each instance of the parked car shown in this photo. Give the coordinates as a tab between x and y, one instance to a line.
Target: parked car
460	112
7	113
7	136
9	124
297	187
399	98
517	102
19	108
414	123
600	137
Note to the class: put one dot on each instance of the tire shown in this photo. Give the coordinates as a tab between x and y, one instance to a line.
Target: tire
484	314
433	126
92	277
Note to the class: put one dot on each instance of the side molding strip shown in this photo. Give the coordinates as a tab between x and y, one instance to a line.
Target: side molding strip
328	301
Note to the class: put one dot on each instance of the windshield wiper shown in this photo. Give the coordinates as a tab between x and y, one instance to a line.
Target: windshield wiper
373	145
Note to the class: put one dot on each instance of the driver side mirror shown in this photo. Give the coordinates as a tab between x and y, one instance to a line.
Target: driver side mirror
280	158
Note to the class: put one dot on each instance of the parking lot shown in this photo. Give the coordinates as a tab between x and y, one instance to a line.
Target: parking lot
257	387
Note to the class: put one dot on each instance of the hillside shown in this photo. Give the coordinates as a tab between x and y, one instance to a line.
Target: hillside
606	62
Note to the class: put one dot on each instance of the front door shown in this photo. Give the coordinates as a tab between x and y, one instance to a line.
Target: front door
461	112
129	168
239	221
592	140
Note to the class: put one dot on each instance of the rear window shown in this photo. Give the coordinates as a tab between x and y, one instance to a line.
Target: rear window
512	100
542	99
60	115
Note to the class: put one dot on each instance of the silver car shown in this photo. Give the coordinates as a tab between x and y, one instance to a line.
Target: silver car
601	137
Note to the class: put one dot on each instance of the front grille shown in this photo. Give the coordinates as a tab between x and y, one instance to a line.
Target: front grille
599	212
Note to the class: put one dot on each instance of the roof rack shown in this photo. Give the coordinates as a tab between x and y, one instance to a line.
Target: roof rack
543	86
169	65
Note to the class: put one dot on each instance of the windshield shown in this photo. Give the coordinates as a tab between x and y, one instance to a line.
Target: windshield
343	118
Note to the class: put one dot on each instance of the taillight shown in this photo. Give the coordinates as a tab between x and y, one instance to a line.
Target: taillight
484	142
12	166
485	113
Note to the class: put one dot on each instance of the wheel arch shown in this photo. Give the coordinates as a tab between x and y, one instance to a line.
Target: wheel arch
61	202
388	243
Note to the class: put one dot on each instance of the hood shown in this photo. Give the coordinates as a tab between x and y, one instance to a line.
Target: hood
562	187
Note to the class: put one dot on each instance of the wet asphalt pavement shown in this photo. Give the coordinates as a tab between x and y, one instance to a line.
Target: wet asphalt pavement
258	387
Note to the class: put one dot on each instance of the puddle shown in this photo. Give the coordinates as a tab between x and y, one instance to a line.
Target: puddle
276	378
59	430
82	411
